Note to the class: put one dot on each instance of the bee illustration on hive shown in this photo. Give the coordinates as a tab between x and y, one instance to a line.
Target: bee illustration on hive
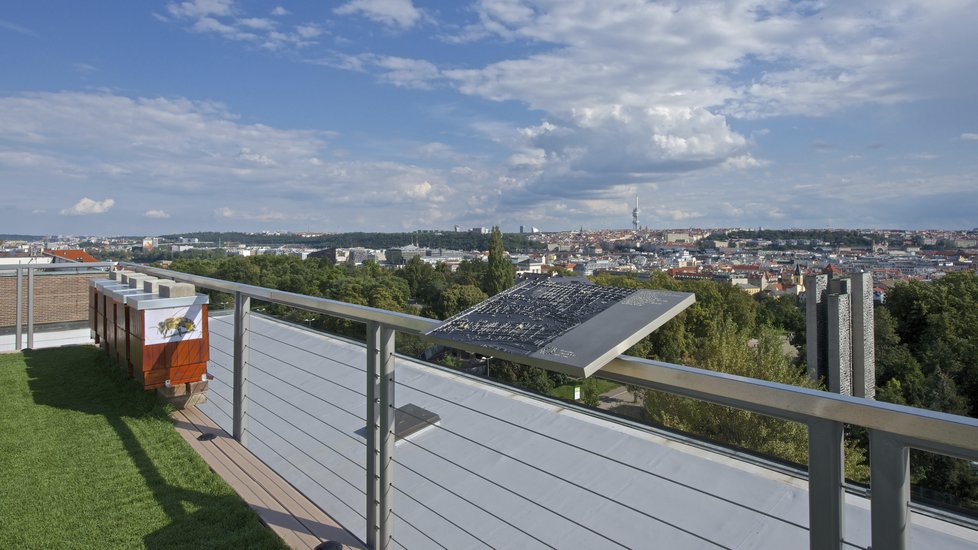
176	326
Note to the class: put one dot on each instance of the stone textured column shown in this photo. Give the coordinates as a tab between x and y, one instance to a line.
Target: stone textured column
839	379
863	336
815	321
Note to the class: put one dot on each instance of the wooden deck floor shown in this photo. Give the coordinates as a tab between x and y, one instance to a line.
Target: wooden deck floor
299	522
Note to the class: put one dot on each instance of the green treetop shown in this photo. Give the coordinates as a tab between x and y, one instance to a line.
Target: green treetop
499	273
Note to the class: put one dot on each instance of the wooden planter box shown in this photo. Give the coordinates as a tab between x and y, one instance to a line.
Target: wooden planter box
120	328
119	299
97	302
105	316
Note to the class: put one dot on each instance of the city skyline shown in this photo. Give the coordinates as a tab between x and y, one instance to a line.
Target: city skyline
393	115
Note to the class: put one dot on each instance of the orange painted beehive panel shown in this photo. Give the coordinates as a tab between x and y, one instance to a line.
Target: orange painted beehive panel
181	359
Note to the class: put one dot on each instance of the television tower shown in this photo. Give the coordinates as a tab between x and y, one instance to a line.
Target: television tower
635	214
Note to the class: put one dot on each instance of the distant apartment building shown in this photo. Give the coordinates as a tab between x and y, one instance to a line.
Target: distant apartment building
679	237
401	255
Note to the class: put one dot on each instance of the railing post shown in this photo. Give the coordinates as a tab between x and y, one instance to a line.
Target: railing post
242	308
373	433
30	307
19	330
386	466
826	492
889	482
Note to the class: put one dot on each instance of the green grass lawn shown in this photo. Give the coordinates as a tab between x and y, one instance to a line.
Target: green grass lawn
87	460
567	392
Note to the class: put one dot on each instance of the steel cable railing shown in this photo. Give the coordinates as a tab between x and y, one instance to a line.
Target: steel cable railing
435	512
320	421
474	504
287	444
306	453
552	476
298	368
601	456
419	531
306	474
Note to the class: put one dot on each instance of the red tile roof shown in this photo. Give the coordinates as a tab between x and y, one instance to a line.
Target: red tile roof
72	255
831	269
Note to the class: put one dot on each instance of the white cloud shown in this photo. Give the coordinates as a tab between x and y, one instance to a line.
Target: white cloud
255	157
152	151
394	13
261	215
88	206
969	136
399	71
661	79
4	24
409	73
84	68
435	149
223	18
731	210
675	215
750	58
200	8
421	190
743	162
257	23
607	206
309	31
156	214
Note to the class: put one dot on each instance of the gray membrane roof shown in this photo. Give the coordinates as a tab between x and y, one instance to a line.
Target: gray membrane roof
505	470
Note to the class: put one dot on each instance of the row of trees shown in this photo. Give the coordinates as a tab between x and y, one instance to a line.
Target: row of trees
418	288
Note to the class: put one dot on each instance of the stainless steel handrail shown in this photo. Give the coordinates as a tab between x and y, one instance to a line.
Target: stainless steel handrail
402	322
931	430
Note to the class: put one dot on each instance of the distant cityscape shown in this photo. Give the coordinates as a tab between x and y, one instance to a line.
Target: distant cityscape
753	259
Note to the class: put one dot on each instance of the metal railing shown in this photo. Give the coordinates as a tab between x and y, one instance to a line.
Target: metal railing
28	292
893	429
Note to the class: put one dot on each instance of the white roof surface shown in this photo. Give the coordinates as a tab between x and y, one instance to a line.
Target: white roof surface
602	485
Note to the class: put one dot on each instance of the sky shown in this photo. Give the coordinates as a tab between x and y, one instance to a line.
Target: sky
398	115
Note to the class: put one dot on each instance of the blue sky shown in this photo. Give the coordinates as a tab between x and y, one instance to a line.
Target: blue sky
394	115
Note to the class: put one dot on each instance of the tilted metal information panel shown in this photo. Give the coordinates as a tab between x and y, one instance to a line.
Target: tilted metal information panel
567	325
